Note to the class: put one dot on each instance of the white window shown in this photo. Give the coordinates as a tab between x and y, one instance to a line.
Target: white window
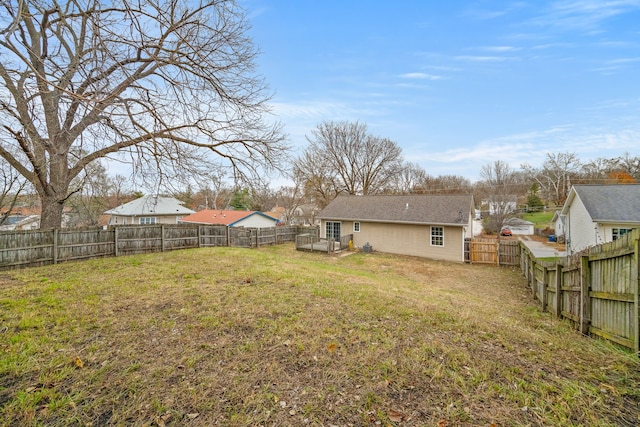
437	236
619	232
147	220
356	227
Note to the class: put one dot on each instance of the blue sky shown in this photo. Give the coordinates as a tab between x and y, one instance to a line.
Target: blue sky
458	84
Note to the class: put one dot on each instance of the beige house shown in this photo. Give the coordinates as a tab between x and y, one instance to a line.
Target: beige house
149	210
427	225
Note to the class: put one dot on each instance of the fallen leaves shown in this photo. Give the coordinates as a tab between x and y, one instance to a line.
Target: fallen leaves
78	363
397	416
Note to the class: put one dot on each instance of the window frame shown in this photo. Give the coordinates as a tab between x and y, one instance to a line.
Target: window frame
618	232
356	226
147	220
331	229
435	237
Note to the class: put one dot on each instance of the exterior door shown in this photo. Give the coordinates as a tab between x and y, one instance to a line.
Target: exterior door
332	230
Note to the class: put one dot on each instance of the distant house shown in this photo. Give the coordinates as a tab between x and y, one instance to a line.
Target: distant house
596	214
431	226
558	223
149	210
22	218
231	218
520	226
305	215
501	205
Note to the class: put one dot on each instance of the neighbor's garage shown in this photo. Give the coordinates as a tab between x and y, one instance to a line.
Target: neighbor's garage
520	226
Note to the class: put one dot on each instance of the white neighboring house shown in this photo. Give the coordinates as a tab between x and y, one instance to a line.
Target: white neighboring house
501	205
251	219
596	214
558	223
149	210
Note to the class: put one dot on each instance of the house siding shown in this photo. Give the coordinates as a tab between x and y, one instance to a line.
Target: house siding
257	221
404	239
581	231
135	220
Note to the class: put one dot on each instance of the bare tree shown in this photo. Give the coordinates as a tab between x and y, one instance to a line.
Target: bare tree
91	198
162	81
409	179
501	185
556	175
12	185
214	192
290	198
446	184
343	157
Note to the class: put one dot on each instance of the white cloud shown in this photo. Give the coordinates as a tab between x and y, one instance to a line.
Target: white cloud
586	15
420	76
476	58
500	48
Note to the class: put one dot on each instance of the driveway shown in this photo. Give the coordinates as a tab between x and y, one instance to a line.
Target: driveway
541	249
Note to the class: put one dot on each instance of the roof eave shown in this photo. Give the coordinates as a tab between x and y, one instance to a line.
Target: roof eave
453	224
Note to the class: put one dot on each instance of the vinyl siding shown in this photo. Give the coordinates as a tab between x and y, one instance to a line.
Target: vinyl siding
405	239
257	221
135	220
581	231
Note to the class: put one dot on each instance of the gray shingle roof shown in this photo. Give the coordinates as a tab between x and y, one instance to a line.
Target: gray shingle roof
151	205
443	209
611	203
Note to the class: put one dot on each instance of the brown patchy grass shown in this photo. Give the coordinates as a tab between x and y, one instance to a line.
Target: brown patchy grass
275	337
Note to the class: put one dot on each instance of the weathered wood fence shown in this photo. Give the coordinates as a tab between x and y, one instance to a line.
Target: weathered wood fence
596	289
41	247
492	251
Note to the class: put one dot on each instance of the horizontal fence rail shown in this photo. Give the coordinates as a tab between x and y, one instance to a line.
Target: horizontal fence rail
41	247
597	289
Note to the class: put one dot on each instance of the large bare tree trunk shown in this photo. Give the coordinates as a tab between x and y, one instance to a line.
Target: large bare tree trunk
52	209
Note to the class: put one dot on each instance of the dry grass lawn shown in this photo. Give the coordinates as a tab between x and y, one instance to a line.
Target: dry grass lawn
275	337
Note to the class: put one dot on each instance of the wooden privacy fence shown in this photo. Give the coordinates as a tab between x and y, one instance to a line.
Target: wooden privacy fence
596	289
492	251
40	247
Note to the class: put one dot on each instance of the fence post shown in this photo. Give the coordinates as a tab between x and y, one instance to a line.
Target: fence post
585	301
532	273
636	291
559	281
228	236
200	236
55	245
162	238
115	241
543	291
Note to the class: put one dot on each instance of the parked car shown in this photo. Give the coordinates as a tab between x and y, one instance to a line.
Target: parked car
506	231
